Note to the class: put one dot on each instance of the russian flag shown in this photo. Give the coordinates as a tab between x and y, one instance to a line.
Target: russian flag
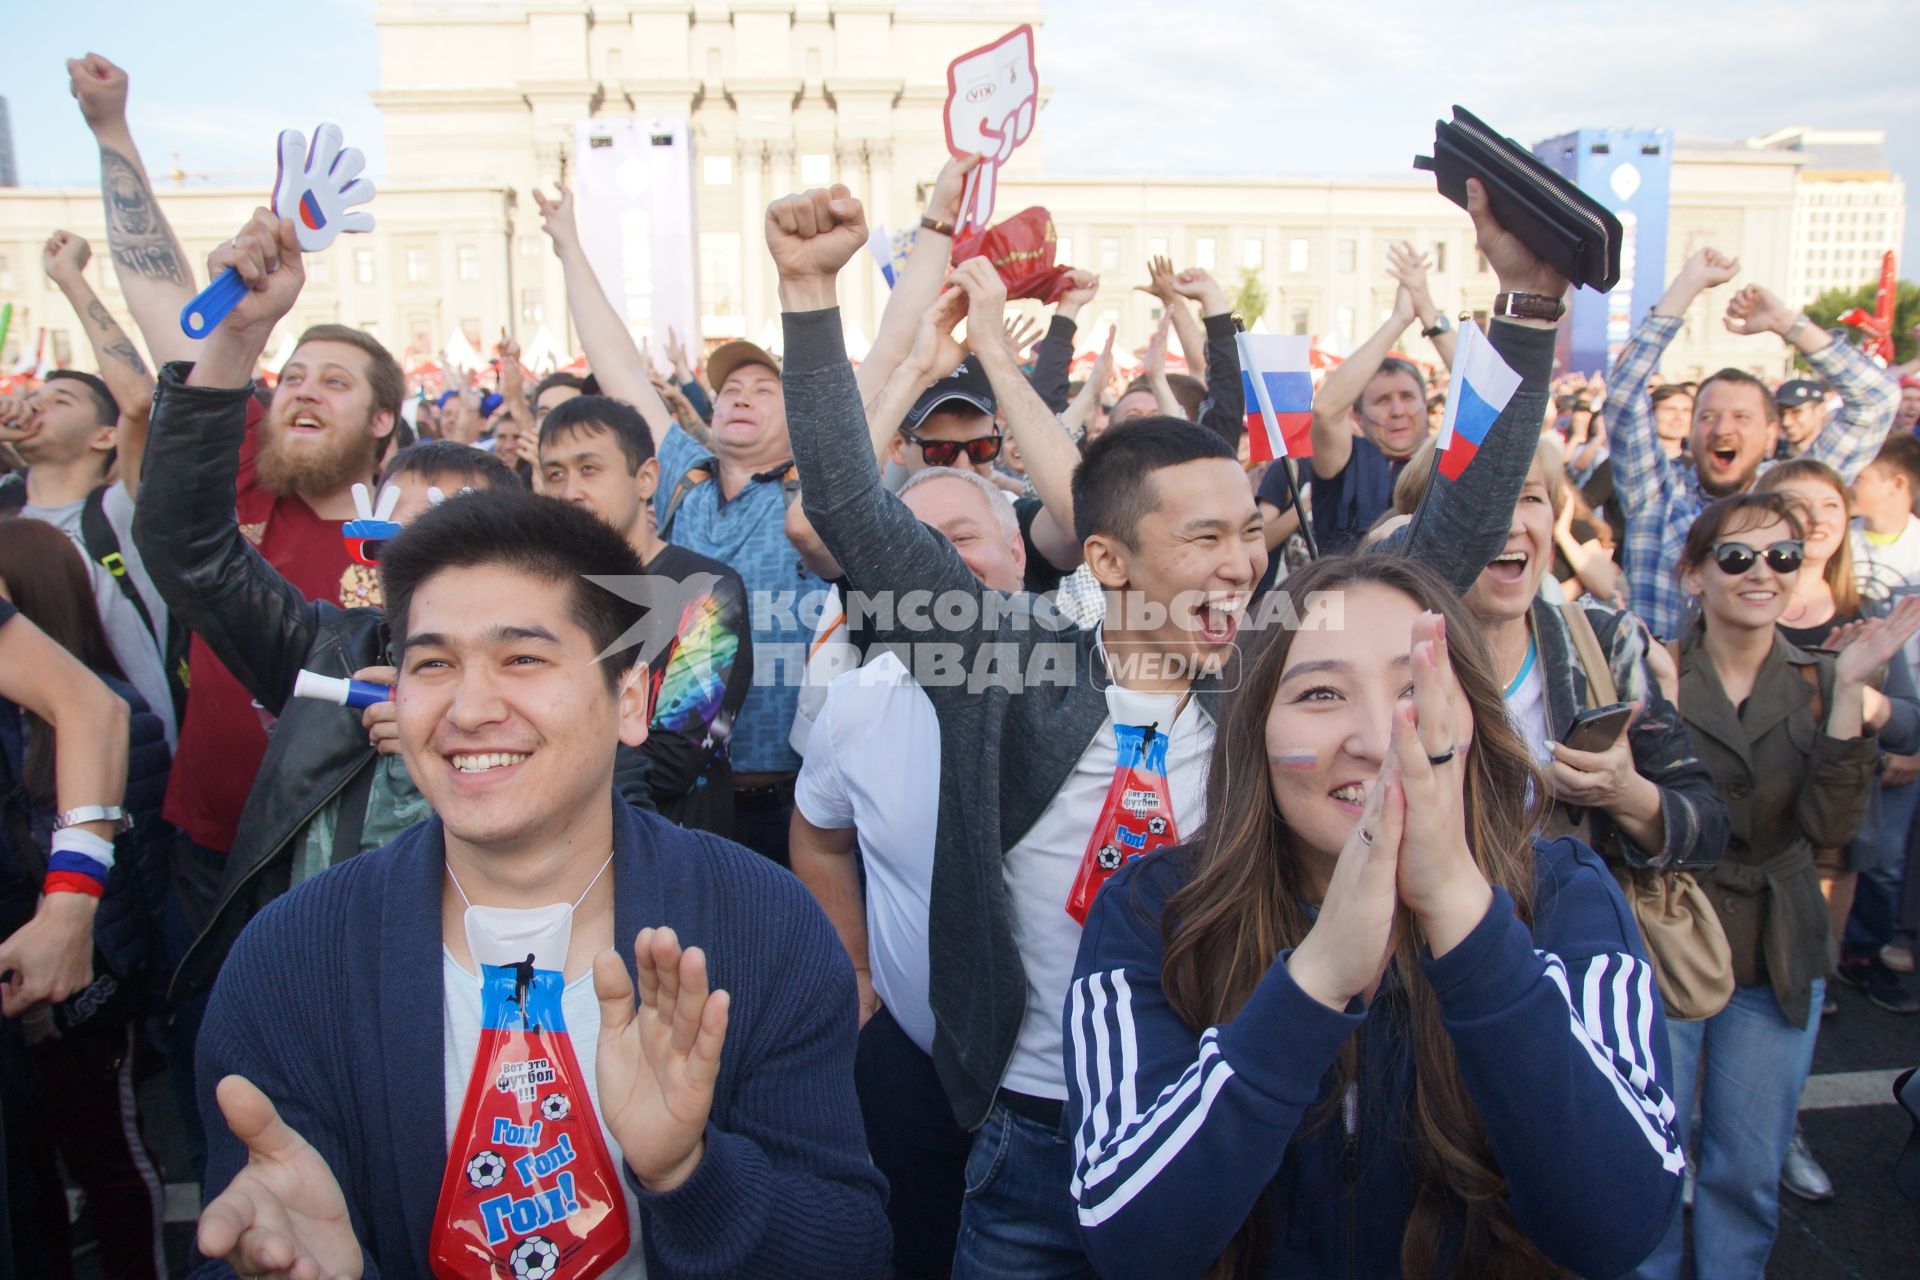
1479	390
1278	388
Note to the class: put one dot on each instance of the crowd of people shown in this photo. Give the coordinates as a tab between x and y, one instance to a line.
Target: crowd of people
934	815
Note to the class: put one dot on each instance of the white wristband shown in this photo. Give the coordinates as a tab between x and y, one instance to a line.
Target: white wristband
84	843
1793	330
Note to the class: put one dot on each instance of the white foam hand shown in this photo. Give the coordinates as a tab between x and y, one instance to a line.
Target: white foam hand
992	95
363	502
318	184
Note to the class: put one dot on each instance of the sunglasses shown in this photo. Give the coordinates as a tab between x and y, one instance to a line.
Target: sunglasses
943	453
1736	558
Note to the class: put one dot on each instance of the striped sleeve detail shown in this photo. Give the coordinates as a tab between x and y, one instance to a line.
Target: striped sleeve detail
1612	1017
1119	1148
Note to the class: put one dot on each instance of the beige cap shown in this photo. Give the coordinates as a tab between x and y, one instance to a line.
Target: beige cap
730	356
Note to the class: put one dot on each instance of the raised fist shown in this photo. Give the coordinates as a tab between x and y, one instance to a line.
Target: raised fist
814	234
1710	267
66	256
1757	310
100	88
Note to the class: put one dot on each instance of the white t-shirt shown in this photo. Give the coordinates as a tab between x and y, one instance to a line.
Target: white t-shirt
1888	570
873	764
133	645
1527	708
1040	871
581	1009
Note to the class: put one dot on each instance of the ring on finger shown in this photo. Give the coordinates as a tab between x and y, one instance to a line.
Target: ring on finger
1443	757
1366	836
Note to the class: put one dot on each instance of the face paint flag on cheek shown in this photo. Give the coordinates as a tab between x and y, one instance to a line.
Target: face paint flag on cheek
530	1191
1136	819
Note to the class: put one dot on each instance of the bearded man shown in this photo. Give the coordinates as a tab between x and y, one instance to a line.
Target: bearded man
290	484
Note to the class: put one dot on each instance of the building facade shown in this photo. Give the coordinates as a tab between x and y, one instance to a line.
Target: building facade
480	101
1850	208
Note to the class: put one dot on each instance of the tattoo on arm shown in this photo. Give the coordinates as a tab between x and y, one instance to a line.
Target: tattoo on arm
120	349
140	238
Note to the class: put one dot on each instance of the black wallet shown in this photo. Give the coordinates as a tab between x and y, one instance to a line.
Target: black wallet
1568	228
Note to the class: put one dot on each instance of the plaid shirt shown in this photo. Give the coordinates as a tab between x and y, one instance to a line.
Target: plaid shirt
1661	496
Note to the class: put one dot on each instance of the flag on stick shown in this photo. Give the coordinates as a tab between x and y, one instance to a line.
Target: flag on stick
1479	390
1279	394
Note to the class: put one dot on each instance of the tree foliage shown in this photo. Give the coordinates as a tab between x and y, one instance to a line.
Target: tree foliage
1827	309
1250	299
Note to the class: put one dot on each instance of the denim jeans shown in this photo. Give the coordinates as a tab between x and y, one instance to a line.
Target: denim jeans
1755	1064
1018	1220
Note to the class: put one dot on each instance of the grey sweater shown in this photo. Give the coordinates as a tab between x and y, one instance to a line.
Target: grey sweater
1005	752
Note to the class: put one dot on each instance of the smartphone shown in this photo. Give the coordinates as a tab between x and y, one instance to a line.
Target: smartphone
1600	728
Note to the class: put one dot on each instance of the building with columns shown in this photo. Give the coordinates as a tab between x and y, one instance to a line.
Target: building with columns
480	103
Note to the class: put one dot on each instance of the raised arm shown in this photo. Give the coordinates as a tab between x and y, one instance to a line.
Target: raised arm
1409	269
920	281
1463	523
882	547
1155	371
154	272
213	580
1164	284
610	349
1332	429
1049	452
1053	355
121	367
1074	420
1869	396
1225	409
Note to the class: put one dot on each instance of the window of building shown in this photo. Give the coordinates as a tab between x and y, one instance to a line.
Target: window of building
1253	253
1299	254
816	170
1345	255
363	266
318	269
1302	319
6	272
533	307
62	348
1346	325
1440	255
1203	253
1109	253
1063	250
718	170
469	260
1479	264
418	270
1157	247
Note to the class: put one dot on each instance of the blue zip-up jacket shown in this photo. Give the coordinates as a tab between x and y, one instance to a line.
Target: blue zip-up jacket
331	1002
1561	1042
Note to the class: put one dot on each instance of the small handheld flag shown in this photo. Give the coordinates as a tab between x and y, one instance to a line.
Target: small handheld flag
1479	390
1279	394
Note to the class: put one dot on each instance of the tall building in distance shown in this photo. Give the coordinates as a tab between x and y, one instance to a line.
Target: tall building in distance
482	102
1849	209
9	175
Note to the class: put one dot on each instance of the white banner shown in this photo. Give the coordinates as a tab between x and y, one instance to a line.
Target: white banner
633	190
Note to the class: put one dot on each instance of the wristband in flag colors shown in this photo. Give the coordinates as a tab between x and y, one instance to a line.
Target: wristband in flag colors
79	863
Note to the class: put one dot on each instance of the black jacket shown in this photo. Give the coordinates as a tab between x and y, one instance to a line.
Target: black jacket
264	631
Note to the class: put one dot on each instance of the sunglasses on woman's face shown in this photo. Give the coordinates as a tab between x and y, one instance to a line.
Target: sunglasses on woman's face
1736	558
943	453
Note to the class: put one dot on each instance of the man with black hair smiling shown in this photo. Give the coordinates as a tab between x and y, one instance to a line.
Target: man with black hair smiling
1038	721
597	451
348	1019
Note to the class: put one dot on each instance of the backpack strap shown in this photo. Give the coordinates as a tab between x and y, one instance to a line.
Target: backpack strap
1811	673
103	548
1601	690
695	475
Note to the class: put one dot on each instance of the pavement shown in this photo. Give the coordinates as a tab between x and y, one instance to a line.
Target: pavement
1866	1232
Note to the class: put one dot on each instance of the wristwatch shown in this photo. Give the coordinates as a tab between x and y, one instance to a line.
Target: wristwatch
938	228
1529	306
1439	326
122	820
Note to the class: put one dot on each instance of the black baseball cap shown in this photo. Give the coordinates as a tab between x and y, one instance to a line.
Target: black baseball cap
1799	391
967	384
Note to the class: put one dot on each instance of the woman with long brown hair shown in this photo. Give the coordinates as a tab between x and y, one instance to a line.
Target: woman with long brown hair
1366	1023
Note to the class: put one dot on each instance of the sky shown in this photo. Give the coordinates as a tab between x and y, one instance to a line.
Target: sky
1222	86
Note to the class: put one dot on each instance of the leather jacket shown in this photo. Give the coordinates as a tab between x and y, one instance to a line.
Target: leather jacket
264	631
